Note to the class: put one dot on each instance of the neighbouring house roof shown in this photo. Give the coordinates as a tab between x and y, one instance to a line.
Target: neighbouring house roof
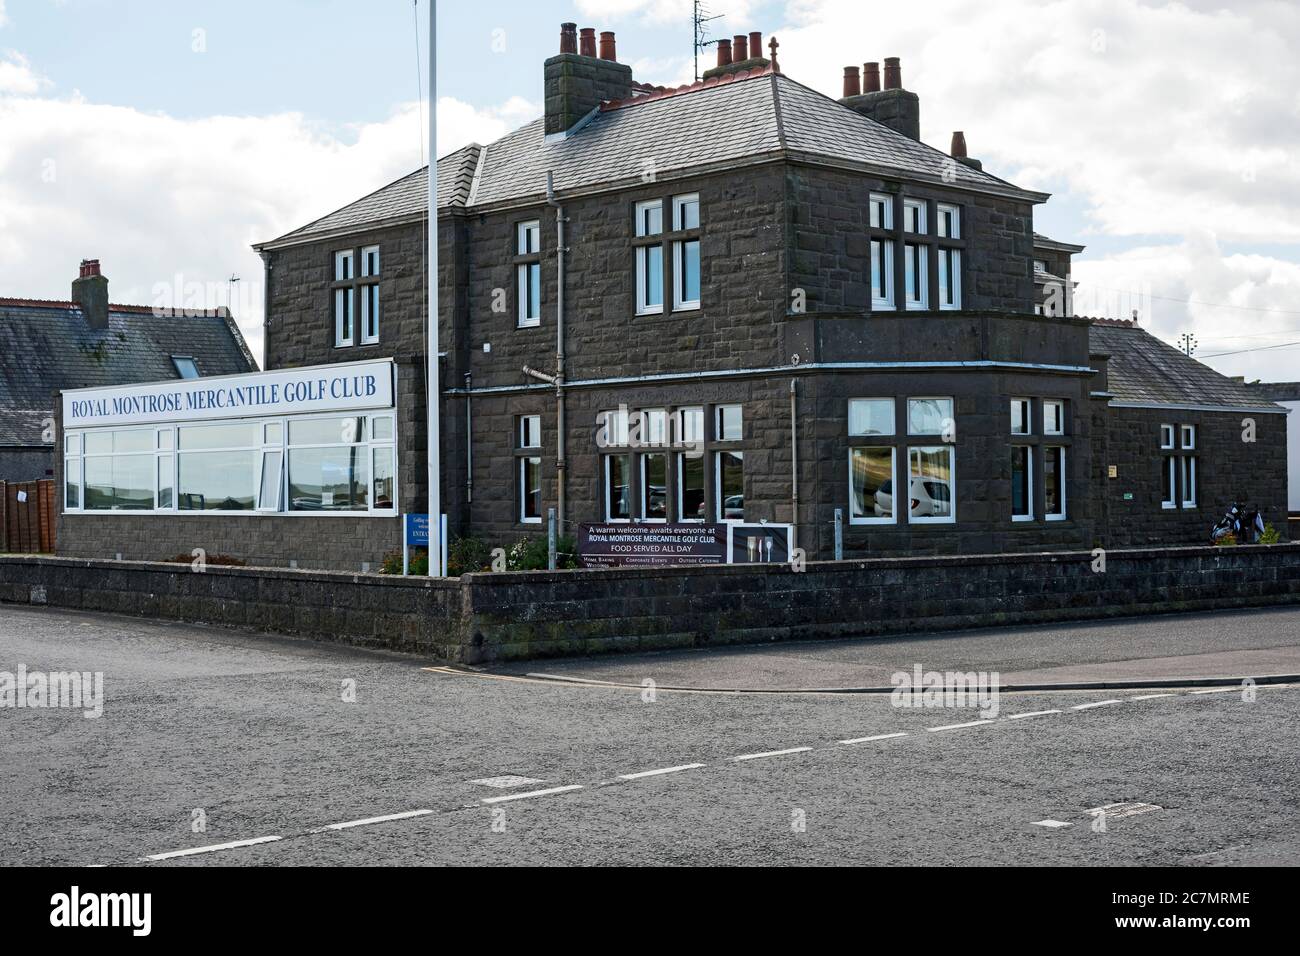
48	346
1277	391
732	121
1043	242
1143	370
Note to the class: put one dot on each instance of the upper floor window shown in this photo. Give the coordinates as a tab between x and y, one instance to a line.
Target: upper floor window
185	366
914	216
916	275
649	258
949	278
881	211
356	289
949	221
529	273
730	427
1020	420
1053	417
871	416
686	253
1040	265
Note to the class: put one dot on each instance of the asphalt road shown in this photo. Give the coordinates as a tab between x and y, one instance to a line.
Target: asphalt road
255	733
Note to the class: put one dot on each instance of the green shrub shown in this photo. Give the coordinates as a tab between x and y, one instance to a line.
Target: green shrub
392	563
530	554
468	554
1227	541
1270	535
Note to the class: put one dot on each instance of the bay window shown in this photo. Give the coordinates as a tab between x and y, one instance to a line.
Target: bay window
1022	483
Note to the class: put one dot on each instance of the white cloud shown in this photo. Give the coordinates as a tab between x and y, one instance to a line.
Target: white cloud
156	198
16	74
660	11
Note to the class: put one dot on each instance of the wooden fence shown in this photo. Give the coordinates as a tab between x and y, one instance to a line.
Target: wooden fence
27	516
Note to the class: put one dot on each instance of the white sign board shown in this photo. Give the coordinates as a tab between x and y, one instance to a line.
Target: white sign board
320	388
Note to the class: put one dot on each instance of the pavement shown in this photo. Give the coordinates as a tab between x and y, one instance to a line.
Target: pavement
325	755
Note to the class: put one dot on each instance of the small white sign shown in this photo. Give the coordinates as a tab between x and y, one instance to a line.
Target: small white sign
22	497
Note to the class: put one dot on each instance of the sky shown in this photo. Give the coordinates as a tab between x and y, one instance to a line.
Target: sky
164	138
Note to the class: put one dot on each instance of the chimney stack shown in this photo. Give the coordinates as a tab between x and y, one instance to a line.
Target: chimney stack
892	106
724	53
740	48
744	51
90	293
577	81
607	47
958	150
870	77
852	83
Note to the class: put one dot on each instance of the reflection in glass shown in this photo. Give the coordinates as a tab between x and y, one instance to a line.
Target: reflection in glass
731	486
654	487
218	436
72	481
328	431
871	473
216	480
328	479
1053	481
871	416
931	482
269	494
1020	500
618	507
120	483
384	478
165	468
927	416
690	487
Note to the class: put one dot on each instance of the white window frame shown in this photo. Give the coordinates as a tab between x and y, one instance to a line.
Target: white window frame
528	241
1187	437
616	425
880	211
951	517
949	216
893	416
524	462
952	405
641	472
642	255
719	498
1062	456
1048	405
369	303
627	458
717	421
1166	437
893	484
681	304
1028	417
914	208
345	303
920	276
884	301
680	417
949	267
1171	467
1187	474
1029	486
681	483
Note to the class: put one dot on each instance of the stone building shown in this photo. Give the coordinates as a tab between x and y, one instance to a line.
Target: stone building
745	302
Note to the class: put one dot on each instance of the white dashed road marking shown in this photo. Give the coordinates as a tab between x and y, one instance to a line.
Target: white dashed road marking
214	848
656	773
1118	811
1150	696
771	753
973	723
507	781
1051	824
1218	690
1096	703
1032	713
531	793
369	820
864	740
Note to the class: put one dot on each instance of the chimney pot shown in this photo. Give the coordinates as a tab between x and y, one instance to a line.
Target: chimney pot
568	38
755	43
958	145
852	82
724	53
893	73
607	51
871	78
89	267
739	48
587	42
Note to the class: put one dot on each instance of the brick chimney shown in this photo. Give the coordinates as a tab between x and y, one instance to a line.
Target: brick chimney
744	51
90	293
893	106
577	80
958	151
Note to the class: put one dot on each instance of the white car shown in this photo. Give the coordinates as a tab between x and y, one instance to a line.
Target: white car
930	498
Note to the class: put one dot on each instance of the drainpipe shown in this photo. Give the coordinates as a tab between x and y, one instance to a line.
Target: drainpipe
469	439
794	466
560	463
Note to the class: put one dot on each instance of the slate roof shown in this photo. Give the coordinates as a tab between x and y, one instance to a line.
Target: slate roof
1046	242
716	124
48	346
1144	370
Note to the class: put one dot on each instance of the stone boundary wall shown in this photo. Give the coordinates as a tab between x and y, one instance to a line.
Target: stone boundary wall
513	616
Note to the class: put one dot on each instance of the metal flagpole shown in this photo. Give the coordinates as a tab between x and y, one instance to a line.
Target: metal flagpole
434	390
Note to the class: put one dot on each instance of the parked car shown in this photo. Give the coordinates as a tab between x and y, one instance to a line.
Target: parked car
930	498
733	507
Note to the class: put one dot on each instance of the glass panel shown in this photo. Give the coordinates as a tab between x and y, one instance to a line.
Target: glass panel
928	416
690	492
871	416
730	427
217	481
370	261
731	486
329	479
1189	482
691	426
1054	481
690	278
166	437
618	505
649	219
328	431
530	431
652	293
121	483
383	428
654	487
342	266
72	444
1053	418
385	480
166	470
218	436
930	488
530	487
535	290
72	482
274	434
100	443
1020	416
613	428
1021	502
871	481
654	426
268	498
688	213
1167	481
120	441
